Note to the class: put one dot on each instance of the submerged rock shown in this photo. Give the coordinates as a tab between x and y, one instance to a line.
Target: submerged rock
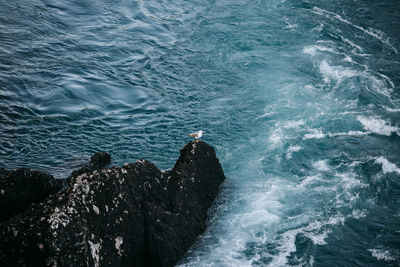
133	215
97	162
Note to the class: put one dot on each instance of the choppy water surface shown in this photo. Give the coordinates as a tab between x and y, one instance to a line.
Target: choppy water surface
300	99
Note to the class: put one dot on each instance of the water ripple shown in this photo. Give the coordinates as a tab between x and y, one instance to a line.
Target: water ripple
299	98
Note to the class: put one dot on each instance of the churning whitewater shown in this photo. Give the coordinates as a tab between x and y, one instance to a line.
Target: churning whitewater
300	100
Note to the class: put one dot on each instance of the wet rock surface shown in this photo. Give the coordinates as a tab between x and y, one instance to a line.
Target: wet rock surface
134	215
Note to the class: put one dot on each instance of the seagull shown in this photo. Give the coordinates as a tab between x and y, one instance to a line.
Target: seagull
197	135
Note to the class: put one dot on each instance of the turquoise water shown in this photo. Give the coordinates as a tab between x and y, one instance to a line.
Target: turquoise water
300	99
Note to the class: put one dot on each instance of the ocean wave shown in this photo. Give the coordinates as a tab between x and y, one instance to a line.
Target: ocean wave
377	126
321	165
310	180
293	124
337	73
292	149
376	82
347	41
315	231
381	254
388	109
318	134
276	137
267	114
379	35
313	49
387	166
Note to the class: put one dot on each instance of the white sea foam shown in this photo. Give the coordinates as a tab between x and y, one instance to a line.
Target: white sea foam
388	109
348	59
381	36
380	86
346	185
347	41
276	137
292	149
321	165
312	231
288	246
388	80
318	238
381	254
349	181
309	180
313	49
387	166
353	133
261	220
289	26
318	134
347	189
258	217
377	126
318	28
337	73
294	124
267	114
326	42
262	208
357	214
259	208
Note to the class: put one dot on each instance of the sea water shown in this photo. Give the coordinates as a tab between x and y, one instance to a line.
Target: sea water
300	100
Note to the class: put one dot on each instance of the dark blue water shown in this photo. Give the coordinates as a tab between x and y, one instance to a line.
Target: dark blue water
300	99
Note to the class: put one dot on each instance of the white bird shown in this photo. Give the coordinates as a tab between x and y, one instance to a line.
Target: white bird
196	135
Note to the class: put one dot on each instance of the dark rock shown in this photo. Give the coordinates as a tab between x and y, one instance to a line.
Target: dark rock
97	162
21	187
133	215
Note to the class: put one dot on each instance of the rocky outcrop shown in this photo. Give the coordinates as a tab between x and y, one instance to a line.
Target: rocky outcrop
21	187
134	215
97	162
